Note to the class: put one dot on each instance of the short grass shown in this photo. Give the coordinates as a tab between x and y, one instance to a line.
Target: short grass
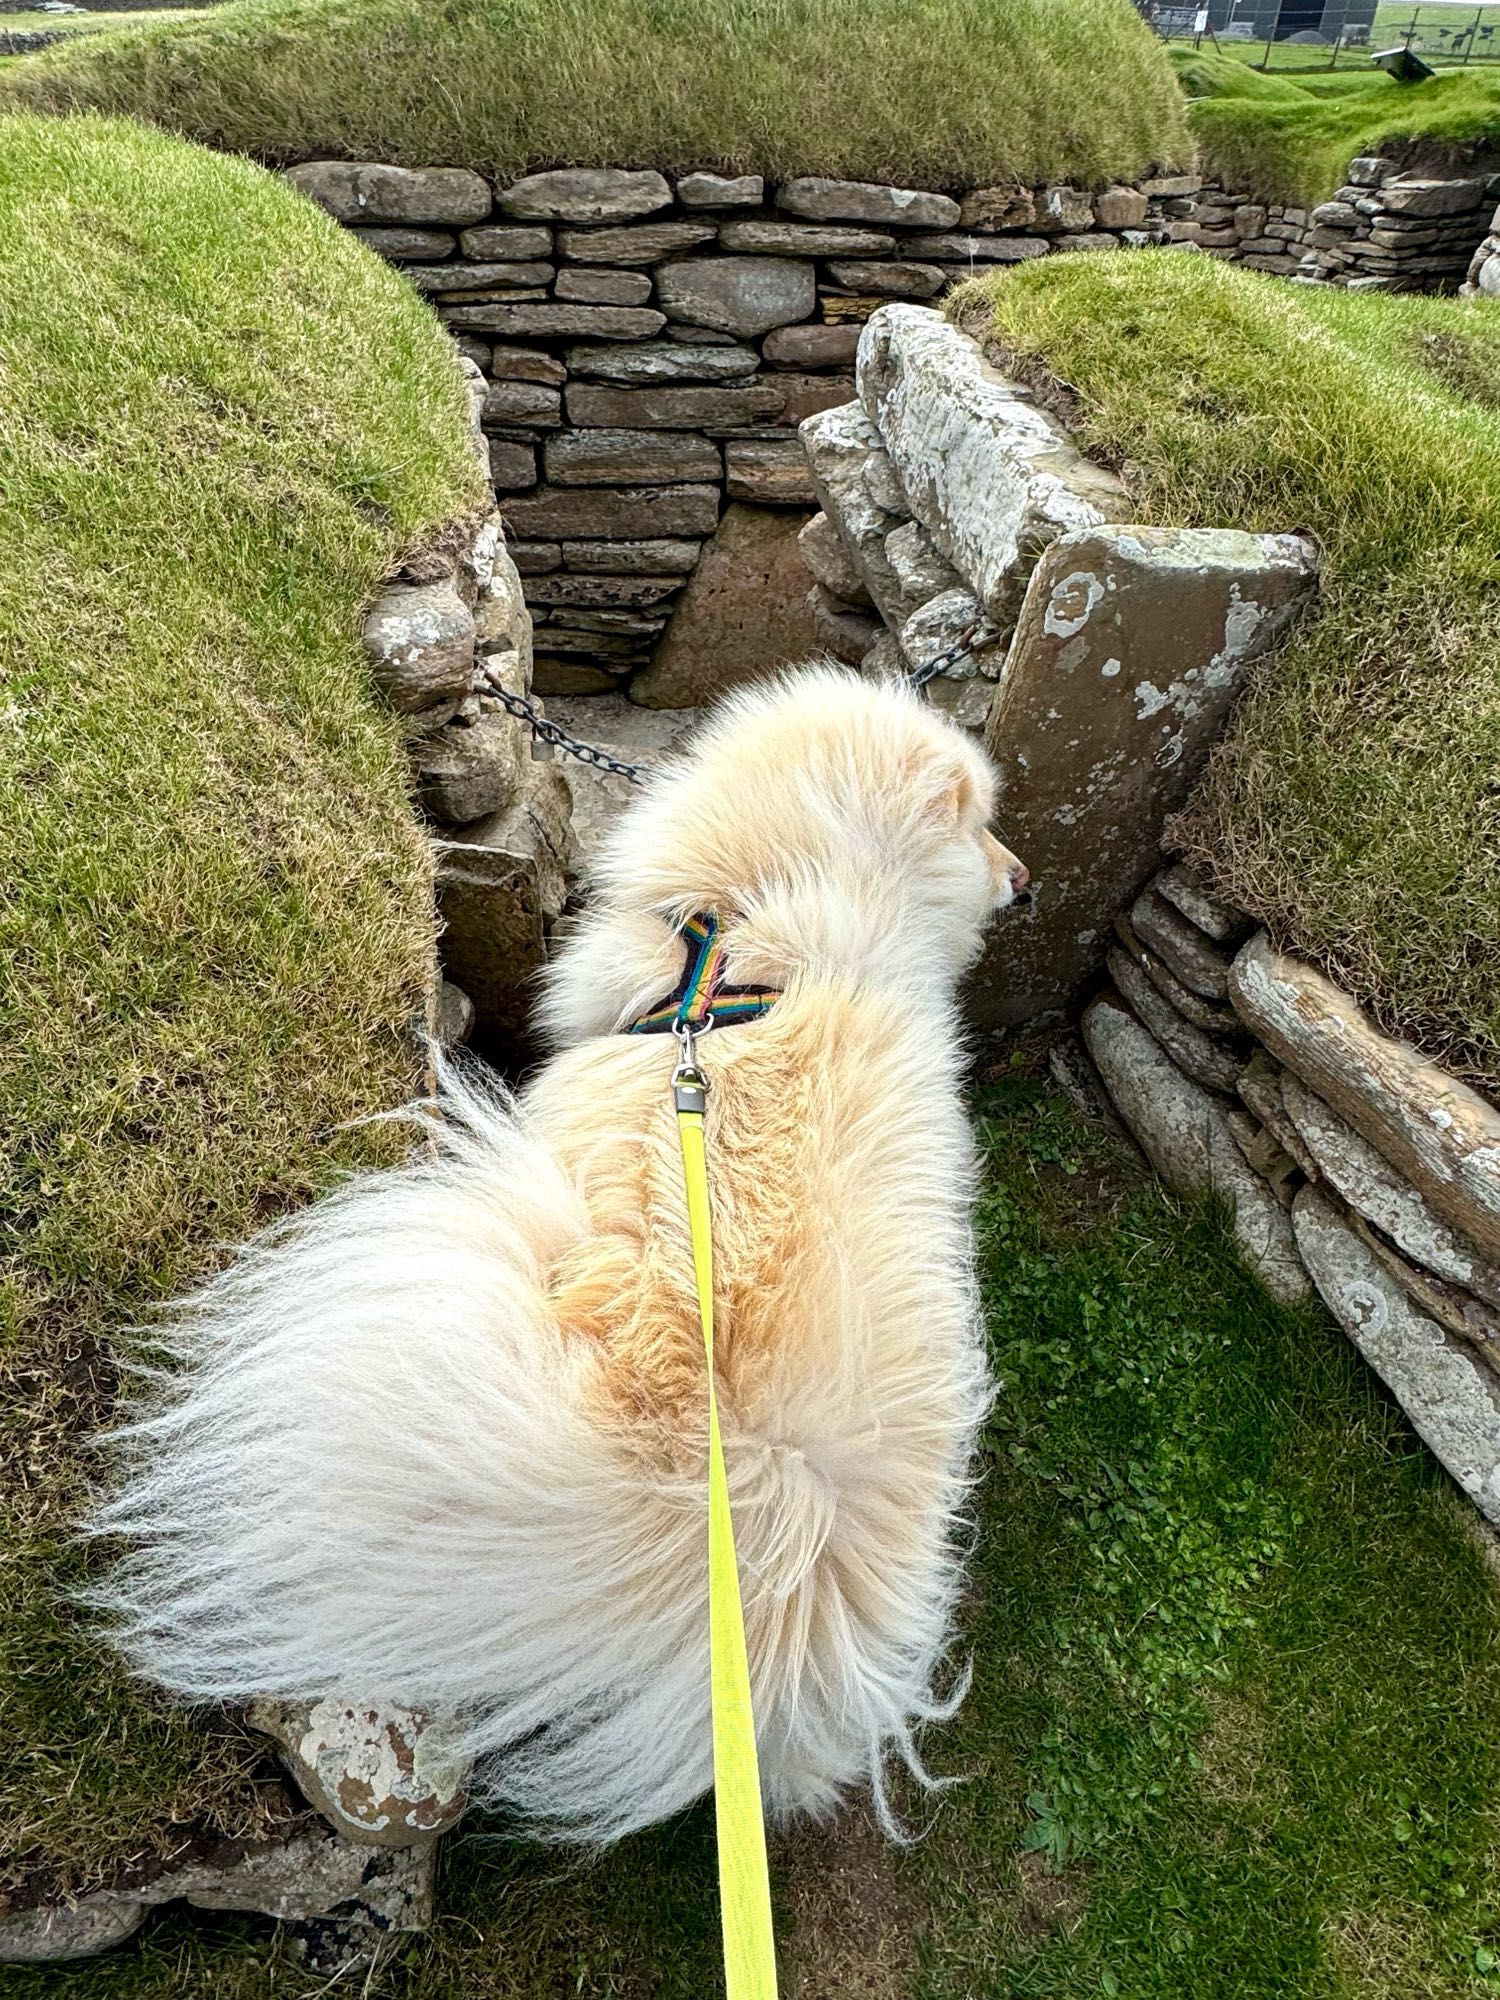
1289	137
220	419
1354	803
1235	1727
32	22
934	92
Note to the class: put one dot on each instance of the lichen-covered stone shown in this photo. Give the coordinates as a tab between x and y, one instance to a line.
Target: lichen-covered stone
1195	1053
1453	1400
378	1771
988	475
1440	1134
900	279
420	642
840	628
840	445
585	194
471	766
830	563
587	284
1196	960
1131	646
721	190
1186	893
504	242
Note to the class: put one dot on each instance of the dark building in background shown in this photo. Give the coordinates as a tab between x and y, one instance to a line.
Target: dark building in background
1275	20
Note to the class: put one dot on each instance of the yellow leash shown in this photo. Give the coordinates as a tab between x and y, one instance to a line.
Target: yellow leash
744	1884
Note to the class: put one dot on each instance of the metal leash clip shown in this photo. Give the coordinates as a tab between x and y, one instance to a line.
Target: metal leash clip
689	1084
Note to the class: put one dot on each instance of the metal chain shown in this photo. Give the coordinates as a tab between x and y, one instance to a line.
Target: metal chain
559	739
968	641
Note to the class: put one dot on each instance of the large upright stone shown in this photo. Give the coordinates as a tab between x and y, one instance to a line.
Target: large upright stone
1442	1135
1131	646
367	191
739	295
585	194
742	615
1186	1134
823	200
988	474
841	446
1453	1400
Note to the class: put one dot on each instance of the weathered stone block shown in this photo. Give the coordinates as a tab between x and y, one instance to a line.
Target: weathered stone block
409	246
377	1771
1185	1133
1453	1400
368	191
1412	195
811	346
709	408
920	566
840	445
772	472
998	208
843	631
742	615
721	190
659	361
452	279
420	640
1440	1134
865	201
526	364
1131	647
505	242
737	295
655	557
951	246
1196	960
471	766
642	243
1186	893
564	587
529	403
1120	208
630	458
589	512
1066	208
589	286
585	194
986	472
1198	1055
512	465
544	321
830	563
804	239
897	278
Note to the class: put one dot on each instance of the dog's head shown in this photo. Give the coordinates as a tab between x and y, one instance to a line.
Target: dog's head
837	818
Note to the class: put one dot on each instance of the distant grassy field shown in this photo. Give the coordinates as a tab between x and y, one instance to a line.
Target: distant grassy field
1353	804
933	92
1235	1726
1289	137
220	421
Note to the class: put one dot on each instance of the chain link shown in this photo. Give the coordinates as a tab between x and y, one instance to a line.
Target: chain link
969	641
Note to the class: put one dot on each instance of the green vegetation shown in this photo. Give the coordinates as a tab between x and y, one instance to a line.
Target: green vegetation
35	22
934	92
1353	805
1290	137
220	421
1235	1727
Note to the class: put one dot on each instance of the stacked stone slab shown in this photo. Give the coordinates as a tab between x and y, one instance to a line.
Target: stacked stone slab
650	344
1387	229
449	624
1349	1162
1099	658
1484	268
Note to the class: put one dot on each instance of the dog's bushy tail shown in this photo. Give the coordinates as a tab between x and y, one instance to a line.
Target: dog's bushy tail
369	1470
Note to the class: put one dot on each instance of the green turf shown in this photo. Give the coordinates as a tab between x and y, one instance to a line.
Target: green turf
1238	1685
220	420
1290	137
1353	804
925	91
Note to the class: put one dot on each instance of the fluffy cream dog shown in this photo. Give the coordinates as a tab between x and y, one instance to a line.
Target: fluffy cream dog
441	1437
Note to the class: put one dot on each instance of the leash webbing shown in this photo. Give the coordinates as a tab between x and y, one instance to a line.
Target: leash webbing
744	1882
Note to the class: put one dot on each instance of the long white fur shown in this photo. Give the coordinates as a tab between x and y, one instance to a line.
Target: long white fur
374	1468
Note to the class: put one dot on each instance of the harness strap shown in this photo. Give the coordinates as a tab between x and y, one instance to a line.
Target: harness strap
701	990
744	1883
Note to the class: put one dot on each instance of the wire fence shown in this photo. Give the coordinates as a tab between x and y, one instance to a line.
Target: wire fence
1312	35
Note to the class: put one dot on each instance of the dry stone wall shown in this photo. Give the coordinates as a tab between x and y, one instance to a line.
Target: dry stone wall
1484	268
649	345
1389	228
447	626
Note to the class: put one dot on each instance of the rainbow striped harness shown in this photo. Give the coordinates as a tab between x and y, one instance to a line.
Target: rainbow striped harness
701	997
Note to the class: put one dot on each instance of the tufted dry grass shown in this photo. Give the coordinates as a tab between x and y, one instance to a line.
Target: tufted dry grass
933	92
220	419
1354	804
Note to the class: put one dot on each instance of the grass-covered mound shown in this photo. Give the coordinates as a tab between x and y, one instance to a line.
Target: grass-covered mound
1237	1681
1290	138
933	92
1355	803
220	420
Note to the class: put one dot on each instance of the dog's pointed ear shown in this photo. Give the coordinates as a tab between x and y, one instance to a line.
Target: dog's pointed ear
955	794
